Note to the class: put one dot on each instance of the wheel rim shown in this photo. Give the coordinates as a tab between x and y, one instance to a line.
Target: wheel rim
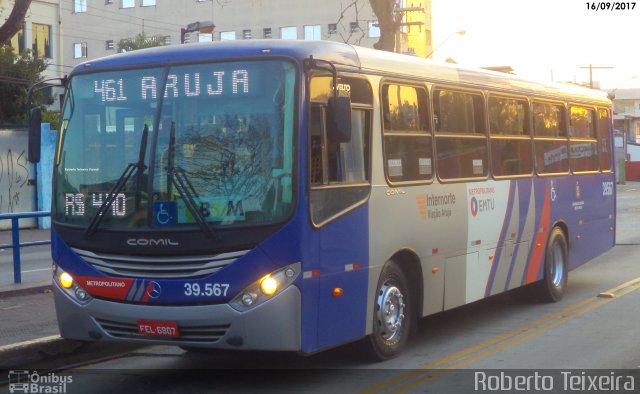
557	266
390	311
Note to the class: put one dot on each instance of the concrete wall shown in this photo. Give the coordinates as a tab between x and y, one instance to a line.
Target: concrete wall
18	176
16	192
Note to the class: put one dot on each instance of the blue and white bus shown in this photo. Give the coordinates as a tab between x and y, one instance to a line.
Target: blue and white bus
296	196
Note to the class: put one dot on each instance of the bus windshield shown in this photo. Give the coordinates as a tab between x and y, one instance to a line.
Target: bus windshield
170	147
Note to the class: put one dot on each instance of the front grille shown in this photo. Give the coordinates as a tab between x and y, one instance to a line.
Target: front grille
202	334
159	267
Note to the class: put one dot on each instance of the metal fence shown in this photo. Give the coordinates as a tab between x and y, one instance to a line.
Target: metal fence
15	238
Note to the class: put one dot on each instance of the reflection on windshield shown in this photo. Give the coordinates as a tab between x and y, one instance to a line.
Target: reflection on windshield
232	143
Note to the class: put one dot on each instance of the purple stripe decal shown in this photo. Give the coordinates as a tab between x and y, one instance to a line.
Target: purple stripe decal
524	193
503	234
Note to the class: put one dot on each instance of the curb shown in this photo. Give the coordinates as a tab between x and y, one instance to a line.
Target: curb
22	353
16	290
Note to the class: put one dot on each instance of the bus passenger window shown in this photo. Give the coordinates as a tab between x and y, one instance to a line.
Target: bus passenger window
461	142
604	139
407	140
511	153
550	138
583	144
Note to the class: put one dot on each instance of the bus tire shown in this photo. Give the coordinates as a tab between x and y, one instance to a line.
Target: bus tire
392	314
552	287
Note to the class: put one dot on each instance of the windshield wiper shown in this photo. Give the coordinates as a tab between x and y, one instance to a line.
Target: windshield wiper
177	177
132	168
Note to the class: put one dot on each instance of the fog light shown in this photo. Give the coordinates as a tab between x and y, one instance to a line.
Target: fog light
269	286
66	280
248	299
81	294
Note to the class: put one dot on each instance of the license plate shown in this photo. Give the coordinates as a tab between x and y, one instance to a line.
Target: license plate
158	328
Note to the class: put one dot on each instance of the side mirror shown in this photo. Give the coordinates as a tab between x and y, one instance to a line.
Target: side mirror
339	119
35	121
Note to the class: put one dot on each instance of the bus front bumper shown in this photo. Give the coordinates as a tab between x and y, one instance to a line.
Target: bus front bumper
273	325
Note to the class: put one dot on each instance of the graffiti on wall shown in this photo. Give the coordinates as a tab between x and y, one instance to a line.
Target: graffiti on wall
14	178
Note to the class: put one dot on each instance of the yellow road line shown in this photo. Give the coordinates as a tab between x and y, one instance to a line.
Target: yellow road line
502	342
18	345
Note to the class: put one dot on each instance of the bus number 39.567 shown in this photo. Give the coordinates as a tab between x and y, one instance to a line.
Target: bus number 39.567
210	289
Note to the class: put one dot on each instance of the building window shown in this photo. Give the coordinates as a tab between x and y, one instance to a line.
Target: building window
148	3
79	50
167	40
18	42
246	34
266	32
289	33
374	29
227	35
312	32
108	1
332	28
128	3
79	5
110	45
41	40
205	37
354	27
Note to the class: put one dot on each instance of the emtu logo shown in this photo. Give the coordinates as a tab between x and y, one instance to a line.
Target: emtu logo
474	207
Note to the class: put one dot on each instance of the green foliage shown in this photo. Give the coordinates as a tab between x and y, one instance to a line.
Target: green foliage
53	118
140	41
17	73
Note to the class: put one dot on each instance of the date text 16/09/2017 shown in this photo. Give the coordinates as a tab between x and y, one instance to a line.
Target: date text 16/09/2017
610	6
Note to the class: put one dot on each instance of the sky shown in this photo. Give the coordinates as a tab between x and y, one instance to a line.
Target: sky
542	39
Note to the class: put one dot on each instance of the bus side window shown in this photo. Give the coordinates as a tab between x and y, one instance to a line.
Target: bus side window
511	153
604	136
550	138
408	142
461	142
332	162
583	143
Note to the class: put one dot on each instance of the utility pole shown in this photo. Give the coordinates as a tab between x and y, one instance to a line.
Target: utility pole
591	67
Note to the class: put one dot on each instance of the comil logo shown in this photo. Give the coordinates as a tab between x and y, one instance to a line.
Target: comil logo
21	381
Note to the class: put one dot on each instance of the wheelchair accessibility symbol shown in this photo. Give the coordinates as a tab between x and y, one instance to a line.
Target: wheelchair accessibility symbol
165	213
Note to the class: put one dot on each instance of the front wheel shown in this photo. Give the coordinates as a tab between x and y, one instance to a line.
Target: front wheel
392	314
554	283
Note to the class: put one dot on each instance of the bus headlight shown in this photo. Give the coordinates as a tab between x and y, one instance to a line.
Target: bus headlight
265	288
71	287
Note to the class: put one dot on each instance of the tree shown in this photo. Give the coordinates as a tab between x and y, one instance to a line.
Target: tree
15	21
140	41
389	21
17	73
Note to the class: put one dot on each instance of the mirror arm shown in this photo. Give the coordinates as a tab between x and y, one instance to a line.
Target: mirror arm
312	63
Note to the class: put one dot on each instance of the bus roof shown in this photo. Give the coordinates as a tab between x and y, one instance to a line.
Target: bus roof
346	57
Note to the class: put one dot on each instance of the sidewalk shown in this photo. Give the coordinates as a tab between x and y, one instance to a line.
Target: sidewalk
28	323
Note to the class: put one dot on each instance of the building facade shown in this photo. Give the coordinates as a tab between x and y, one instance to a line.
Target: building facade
42	34
626	109
93	28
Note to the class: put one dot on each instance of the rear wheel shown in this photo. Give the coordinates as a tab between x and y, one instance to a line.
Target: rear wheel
392	314
554	283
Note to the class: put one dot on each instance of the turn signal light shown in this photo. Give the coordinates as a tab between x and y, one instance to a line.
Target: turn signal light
66	280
